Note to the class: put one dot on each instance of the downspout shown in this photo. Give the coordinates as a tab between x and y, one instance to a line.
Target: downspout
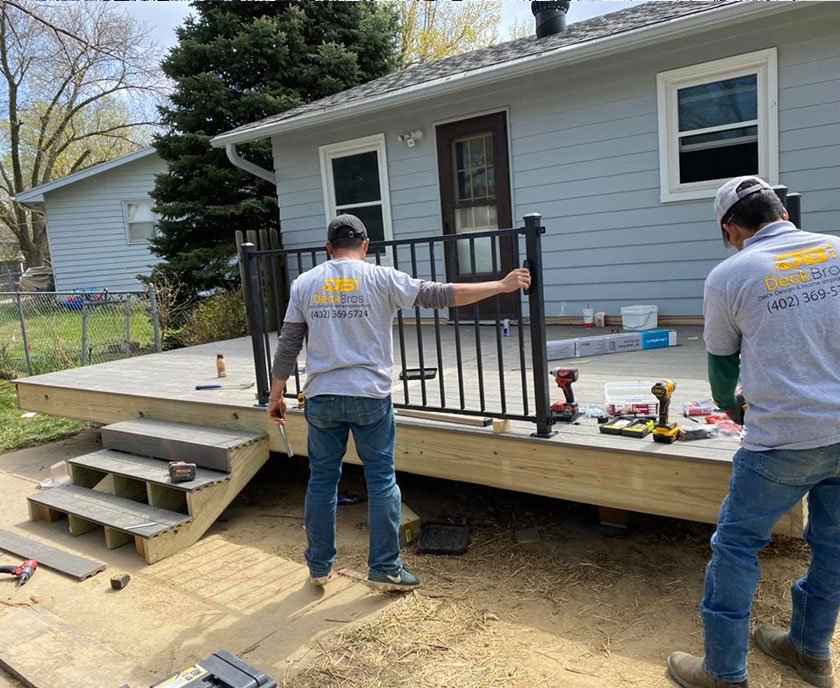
243	164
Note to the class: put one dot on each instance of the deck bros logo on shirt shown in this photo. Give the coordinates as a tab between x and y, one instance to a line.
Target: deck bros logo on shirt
337	291
796	263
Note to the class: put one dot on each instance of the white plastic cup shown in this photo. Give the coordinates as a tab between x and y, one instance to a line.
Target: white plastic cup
588	318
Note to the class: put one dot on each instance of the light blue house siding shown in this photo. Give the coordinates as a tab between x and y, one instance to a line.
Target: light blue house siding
584	150
87	228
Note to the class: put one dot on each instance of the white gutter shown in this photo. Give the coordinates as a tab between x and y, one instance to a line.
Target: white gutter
601	47
247	165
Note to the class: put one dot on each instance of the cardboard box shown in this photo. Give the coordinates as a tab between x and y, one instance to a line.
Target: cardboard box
601	345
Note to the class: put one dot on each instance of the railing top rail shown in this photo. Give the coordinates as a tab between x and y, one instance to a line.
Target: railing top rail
380	246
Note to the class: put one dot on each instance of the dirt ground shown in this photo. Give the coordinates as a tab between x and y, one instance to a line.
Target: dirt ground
581	607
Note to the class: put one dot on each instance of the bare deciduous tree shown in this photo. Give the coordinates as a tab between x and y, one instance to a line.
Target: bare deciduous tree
80	82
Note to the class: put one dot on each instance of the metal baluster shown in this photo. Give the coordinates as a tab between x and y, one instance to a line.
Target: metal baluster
499	351
418	326
401	330
433	276
477	329
517	302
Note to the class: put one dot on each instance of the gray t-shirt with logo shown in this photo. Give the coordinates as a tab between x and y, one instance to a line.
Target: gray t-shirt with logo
777	301
349	307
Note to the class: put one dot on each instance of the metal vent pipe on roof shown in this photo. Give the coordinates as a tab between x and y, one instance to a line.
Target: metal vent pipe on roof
550	16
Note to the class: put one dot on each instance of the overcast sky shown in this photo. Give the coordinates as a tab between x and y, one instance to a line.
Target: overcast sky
163	17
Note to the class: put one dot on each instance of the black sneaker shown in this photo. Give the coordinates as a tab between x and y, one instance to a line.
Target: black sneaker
401	580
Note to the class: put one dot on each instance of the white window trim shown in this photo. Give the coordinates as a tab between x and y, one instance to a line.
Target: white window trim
764	64
125	220
365	144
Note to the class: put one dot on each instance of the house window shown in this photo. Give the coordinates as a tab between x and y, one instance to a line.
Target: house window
139	221
717	120
355	179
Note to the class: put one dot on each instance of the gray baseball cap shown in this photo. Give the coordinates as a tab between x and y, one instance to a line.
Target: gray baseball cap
728	194
346	227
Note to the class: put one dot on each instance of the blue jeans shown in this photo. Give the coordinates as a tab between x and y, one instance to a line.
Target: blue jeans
330	419
764	486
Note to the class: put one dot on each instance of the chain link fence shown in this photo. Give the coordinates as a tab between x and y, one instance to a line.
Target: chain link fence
41	332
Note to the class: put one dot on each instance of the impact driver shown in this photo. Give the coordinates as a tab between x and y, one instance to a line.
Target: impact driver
565	411
664	431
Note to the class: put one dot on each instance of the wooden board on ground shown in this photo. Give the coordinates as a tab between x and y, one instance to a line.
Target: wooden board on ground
50	557
42	651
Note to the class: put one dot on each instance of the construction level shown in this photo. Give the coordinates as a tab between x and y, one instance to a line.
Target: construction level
684	480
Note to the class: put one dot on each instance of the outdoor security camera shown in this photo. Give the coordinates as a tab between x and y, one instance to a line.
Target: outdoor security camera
410	138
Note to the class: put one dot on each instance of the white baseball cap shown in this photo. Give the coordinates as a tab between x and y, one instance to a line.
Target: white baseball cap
728	195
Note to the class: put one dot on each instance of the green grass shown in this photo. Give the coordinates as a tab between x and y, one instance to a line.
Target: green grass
17	432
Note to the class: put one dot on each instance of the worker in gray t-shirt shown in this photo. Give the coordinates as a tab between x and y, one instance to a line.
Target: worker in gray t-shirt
770	316
345	307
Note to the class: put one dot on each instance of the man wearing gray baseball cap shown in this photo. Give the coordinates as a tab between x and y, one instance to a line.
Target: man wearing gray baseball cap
771	317
346	306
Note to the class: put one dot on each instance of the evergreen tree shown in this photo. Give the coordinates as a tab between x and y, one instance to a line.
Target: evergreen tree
236	63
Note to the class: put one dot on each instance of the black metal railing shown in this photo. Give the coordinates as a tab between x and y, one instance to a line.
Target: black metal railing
487	377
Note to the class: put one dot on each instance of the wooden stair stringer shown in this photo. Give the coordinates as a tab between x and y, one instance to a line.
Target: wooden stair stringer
207	504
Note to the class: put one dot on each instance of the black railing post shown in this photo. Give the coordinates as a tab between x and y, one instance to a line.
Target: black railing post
256	318
536	303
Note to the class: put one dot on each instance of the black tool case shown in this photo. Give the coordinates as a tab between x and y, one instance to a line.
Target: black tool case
222	670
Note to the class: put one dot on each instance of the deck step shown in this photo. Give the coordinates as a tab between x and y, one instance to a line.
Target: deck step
108	510
209	448
143	468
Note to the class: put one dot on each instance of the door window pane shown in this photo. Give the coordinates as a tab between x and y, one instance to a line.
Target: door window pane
356	178
371	215
477	218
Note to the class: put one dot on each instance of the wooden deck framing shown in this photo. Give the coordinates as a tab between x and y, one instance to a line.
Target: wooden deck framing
684	480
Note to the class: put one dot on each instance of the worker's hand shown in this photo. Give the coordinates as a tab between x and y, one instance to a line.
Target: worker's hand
277	410
520	278
737	412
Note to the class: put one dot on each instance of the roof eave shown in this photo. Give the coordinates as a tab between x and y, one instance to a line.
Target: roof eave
636	38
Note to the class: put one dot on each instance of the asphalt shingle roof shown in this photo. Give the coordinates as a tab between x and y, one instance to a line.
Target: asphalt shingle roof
605	26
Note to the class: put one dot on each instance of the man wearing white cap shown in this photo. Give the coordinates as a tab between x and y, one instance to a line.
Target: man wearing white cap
772	312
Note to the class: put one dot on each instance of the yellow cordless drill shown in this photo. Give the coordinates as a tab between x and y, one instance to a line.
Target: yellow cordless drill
664	431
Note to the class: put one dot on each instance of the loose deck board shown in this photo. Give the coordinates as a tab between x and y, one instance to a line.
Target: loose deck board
50	557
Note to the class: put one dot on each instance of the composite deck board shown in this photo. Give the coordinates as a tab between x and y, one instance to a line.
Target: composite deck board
109	510
207	447
49	557
144	468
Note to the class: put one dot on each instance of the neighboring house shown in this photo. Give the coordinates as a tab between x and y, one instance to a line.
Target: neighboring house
99	222
617	130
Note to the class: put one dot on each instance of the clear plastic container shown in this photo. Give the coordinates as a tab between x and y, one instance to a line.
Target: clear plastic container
630	399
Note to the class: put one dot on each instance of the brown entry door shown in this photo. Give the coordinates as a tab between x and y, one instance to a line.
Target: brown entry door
475	197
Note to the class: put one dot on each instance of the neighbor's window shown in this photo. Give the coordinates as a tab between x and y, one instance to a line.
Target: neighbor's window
355	179
140	221
717	120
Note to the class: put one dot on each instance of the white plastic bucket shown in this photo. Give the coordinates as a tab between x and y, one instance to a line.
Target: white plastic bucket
639	317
